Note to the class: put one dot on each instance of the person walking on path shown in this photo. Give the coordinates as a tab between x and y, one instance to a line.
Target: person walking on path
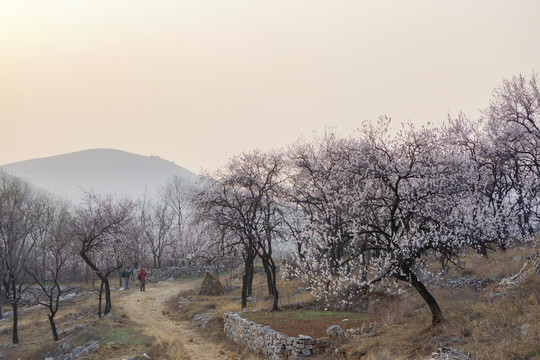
126	275
142	278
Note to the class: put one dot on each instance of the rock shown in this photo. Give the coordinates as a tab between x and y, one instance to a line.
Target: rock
7	314
202	318
78	328
69	296
530	268
84	350
448	354
304	337
211	285
65	347
335	331
298	290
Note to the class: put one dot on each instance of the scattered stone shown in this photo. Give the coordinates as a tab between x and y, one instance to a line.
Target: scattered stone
448	354
84	350
525	329
78	328
530	268
65	347
7	315
335	331
211	285
69	296
299	290
202	318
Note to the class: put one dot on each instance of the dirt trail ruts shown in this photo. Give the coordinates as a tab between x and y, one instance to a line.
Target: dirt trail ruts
146	309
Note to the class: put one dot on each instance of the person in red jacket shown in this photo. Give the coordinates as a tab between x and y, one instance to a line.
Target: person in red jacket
142	278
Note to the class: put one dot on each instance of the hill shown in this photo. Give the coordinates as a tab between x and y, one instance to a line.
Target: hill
105	171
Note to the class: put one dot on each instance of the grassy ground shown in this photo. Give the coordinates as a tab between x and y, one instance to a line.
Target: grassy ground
307	322
505	327
115	335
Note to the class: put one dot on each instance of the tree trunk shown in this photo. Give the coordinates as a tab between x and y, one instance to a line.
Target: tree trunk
244	290
99	301
251	274
366	258
247	279
15	337
269	281
53	326
108	302
270	269
436	313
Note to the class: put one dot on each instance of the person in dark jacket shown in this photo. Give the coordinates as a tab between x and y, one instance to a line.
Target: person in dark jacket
126	275
142	278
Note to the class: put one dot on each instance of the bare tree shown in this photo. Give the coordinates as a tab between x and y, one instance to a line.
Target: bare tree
99	227
513	122
24	217
177	194
157	220
242	200
49	269
222	211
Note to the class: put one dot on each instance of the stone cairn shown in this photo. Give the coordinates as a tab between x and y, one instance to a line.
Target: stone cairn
211	285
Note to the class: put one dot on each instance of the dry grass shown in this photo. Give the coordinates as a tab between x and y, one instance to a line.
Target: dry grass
306	322
168	349
497	264
506	327
117	335
231	302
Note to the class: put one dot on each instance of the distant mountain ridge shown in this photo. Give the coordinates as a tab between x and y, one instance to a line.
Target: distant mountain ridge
105	171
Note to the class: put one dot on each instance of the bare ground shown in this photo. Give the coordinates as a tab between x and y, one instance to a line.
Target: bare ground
148	312
144	312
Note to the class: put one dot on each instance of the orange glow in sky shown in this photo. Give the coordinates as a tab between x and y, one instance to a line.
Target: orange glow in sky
197	82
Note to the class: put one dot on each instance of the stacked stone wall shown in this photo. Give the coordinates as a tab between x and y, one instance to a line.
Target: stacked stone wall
270	343
175	272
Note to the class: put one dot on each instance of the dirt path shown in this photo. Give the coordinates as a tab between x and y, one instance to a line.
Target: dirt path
146	309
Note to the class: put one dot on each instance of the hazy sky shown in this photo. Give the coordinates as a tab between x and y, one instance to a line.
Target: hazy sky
199	81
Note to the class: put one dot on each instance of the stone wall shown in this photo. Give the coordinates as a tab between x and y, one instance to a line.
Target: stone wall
155	275
270	343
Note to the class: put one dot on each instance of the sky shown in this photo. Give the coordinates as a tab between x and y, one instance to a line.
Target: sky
200	81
